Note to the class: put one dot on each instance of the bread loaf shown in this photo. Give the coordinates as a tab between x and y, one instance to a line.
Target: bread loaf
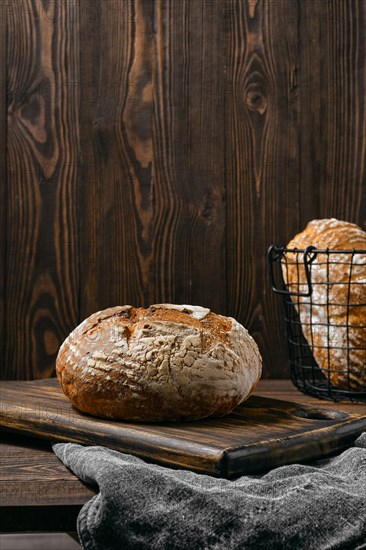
167	362
334	318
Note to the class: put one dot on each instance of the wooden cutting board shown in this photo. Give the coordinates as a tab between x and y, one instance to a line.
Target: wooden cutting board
260	434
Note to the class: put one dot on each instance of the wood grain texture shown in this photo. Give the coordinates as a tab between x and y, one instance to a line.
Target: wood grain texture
116	180
262	156
189	220
32	475
259	434
3	186
154	211
42	281
155	149
285	390
331	84
34	484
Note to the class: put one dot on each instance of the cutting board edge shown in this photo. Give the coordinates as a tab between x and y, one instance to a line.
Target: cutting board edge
29	417
219	464
349	429
211	465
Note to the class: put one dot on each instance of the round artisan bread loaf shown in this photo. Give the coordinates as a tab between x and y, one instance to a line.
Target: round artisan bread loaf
166	362
333	319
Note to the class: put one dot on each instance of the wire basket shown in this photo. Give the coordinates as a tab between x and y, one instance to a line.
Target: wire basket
326	342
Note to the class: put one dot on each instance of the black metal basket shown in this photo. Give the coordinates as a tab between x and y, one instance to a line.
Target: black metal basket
302	319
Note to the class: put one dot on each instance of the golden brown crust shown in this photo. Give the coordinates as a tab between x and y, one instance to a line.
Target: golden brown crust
166	362
325	323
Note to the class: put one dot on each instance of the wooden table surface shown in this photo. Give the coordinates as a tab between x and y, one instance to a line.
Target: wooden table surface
38	493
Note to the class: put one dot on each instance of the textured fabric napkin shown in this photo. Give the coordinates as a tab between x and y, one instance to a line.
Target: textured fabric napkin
143	506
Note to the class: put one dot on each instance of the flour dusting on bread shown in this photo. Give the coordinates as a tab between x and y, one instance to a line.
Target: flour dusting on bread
166	362
334	318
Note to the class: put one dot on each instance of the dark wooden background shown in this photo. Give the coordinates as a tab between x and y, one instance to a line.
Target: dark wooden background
152	150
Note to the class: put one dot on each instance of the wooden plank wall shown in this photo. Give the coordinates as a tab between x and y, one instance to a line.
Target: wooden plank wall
2	176
155	149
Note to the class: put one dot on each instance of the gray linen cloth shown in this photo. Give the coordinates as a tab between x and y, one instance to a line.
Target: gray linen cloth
144	506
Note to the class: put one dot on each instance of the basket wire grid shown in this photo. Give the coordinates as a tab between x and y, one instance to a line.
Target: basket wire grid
298	299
